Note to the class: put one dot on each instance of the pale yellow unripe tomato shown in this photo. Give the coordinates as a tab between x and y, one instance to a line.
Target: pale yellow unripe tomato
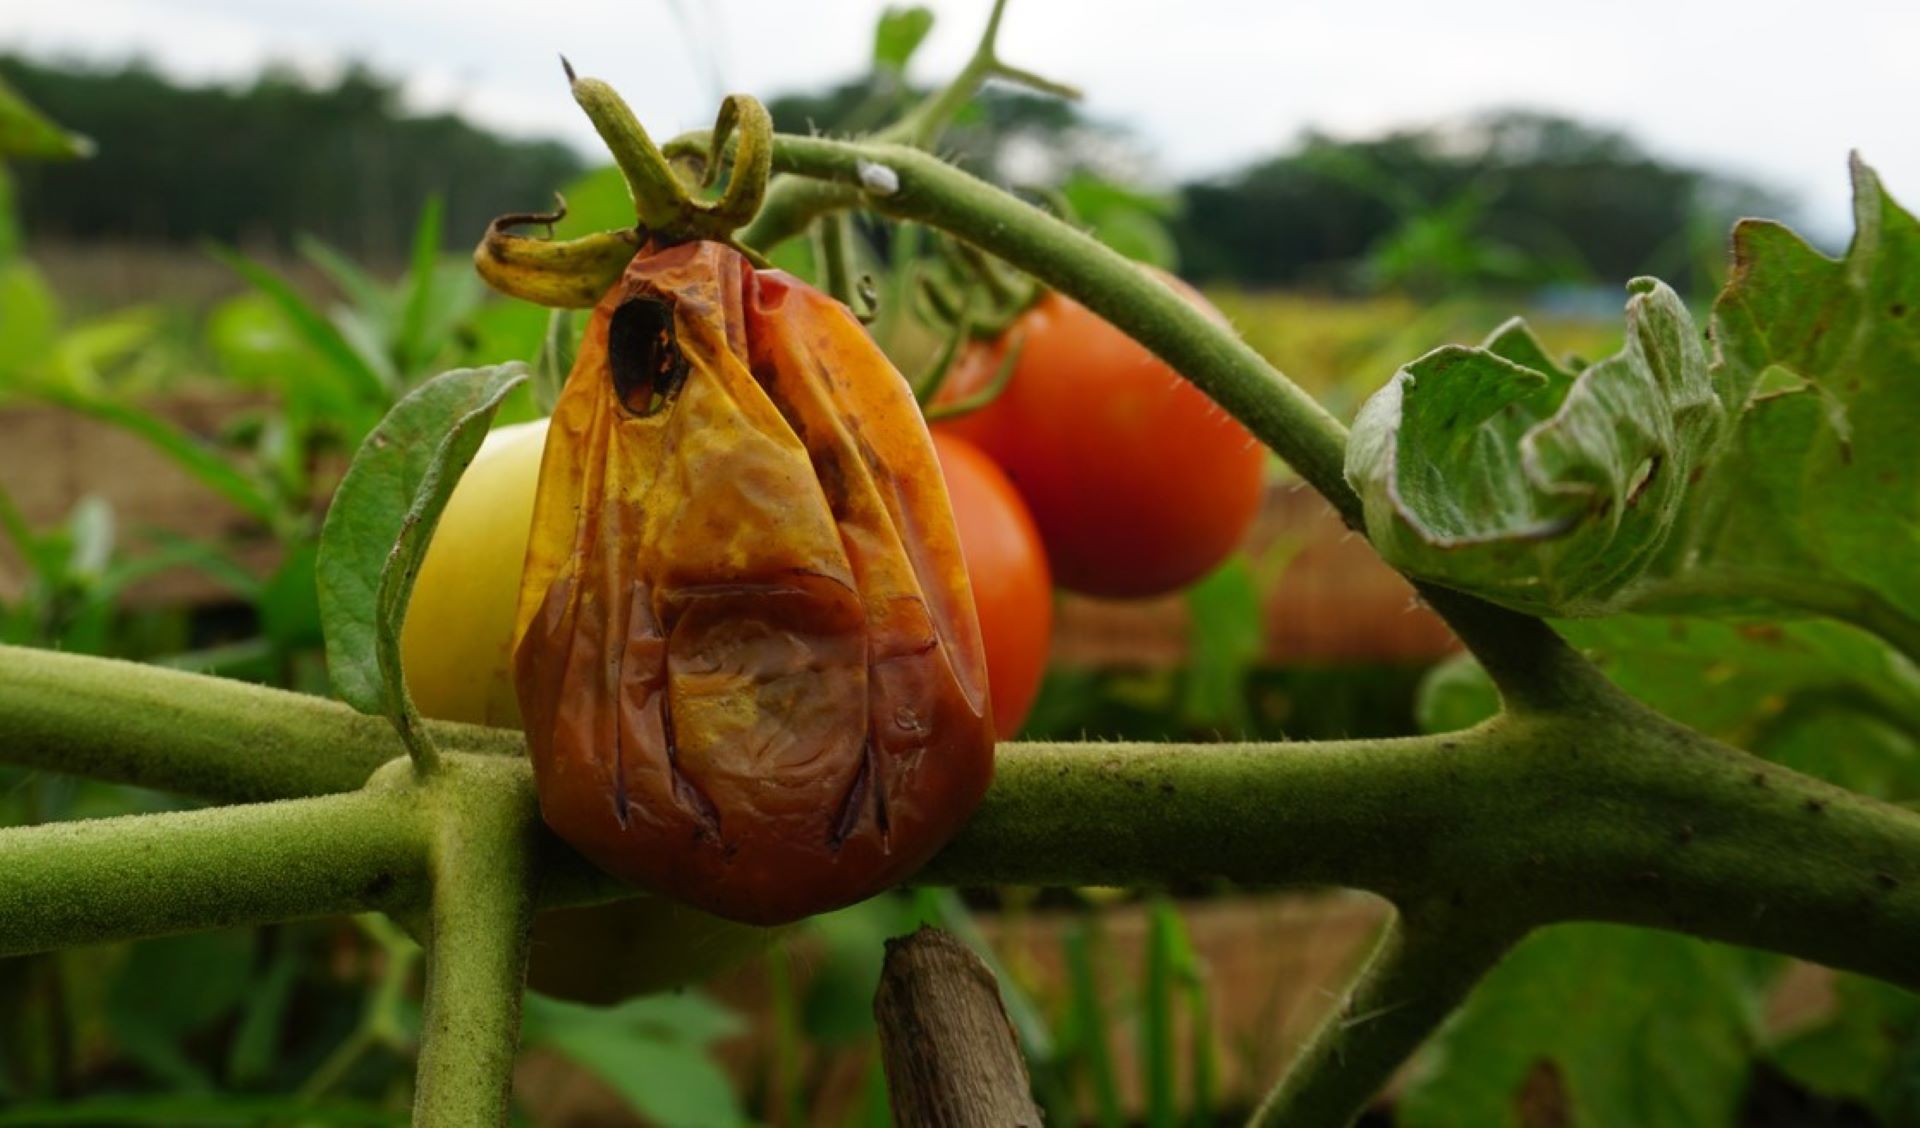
457	643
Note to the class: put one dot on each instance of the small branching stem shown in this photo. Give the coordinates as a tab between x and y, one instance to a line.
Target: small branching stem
380	1023
836	275
1419	971
793	202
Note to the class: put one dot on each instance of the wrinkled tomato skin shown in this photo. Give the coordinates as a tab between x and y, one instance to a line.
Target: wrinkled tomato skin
457	645
1008	569
746	652
1139	483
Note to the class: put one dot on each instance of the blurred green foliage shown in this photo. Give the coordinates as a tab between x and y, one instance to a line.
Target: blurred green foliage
1507	200
1513	199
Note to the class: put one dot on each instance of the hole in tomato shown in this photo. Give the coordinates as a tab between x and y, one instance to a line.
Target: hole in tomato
643	357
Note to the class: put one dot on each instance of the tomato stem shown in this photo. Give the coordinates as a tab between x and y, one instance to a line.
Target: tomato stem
1002	376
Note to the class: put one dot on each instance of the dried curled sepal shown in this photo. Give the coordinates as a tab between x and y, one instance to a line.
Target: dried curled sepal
569	274
747	654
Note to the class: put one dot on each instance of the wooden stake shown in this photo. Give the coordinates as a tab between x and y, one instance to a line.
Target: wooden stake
950	1054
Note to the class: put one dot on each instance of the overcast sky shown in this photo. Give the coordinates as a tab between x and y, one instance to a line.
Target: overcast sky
1776	89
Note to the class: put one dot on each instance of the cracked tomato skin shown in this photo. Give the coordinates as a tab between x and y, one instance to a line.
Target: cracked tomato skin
1139	483
746	651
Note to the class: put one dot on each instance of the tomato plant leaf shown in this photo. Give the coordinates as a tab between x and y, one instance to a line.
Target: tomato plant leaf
653	1051
1781	479
1226	638
346	362
381	521
1129	220
29	311
898	34
1633	1027
1867	1050
1819	697
1815	504
26	132
1495	471
171	987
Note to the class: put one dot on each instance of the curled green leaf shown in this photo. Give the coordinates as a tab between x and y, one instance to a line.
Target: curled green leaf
1495	471
378	528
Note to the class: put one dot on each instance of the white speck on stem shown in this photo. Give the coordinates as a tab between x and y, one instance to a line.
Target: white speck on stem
877	179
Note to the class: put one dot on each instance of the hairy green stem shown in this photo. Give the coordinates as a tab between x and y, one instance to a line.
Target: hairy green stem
70	883
1628	819
794	202
1606	813
1416	975
380	1024
485	837
1603	812
836	276
193	735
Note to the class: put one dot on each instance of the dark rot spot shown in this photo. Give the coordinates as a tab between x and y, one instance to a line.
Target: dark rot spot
643	357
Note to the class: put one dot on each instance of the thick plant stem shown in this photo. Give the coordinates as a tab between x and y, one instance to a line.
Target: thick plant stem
1533	667
1631	820
72	883
485	827
190	734
1606	813
1417	974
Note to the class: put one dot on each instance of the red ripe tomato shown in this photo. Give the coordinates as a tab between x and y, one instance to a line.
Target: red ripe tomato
1011	589
1139	483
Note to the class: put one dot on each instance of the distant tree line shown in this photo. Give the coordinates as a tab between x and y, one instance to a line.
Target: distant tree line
260	163
1505	200
1511	198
